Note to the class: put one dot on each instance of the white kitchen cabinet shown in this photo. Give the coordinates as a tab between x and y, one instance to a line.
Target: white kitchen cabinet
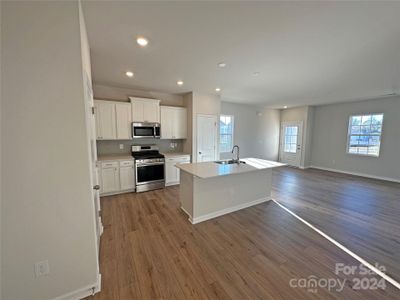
123	120
127	175
113	120
109	177
145	110
173	122
172	173
105	120
116	176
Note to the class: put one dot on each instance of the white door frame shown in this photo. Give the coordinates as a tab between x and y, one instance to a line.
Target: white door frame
299	146
215	117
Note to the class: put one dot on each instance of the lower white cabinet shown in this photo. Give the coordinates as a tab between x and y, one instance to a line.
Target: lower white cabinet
117	176
172	173
127	176
109	177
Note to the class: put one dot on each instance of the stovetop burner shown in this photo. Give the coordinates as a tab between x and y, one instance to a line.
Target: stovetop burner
146	152
146	155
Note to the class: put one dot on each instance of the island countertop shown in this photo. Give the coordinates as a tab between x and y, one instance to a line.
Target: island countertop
212	169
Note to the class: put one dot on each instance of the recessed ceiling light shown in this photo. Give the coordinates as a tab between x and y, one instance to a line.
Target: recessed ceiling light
129	74
217	89
179	82
256	73
142	41
222	64
285	107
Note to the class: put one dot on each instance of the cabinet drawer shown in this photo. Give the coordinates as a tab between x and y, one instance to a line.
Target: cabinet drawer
109	164
179	159
126	163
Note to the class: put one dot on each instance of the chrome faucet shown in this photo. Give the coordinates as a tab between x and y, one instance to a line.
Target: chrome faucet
237	160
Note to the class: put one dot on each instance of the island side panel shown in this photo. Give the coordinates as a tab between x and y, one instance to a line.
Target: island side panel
186	193
220	195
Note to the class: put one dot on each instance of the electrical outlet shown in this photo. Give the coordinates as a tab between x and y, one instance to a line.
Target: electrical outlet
121	146
42	268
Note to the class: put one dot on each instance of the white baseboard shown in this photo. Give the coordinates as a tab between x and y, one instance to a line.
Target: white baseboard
185	211
304	167
225	211
83	292
357	174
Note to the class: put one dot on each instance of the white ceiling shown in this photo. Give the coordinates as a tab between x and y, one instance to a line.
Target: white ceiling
306	53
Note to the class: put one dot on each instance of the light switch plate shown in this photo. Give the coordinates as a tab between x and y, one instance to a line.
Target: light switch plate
121	146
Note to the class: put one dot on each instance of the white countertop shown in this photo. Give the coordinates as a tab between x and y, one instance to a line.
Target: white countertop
114	157
212	169
174	154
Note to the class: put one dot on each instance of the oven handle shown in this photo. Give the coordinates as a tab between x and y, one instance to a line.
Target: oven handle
150	164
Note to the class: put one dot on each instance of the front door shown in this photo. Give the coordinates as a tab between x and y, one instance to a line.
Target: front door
206	138
291	143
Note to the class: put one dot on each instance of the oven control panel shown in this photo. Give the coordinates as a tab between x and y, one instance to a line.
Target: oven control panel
149	160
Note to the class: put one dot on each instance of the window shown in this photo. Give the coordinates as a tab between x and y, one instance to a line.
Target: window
364	137
290	142
225	133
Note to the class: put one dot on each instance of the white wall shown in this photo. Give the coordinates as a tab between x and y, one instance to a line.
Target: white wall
47	206
188	103
121	94
330	138
268	134
256	130
206	104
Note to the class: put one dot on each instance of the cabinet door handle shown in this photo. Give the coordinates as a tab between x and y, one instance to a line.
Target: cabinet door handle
96	187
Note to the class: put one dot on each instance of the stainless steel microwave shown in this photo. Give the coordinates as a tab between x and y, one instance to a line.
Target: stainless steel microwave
146	130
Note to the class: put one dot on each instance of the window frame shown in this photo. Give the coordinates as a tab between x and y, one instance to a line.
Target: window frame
219	132
349	125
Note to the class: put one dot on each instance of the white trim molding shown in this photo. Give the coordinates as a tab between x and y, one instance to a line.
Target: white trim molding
226	211
356	174
84	292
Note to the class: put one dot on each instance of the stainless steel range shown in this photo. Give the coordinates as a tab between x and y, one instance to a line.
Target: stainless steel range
149	168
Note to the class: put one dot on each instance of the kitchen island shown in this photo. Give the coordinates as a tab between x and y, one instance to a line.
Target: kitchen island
211	189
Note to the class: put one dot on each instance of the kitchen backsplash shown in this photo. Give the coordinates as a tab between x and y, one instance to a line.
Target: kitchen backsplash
113	147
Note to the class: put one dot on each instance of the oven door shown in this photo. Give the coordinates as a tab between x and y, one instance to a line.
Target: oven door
142	131
149	173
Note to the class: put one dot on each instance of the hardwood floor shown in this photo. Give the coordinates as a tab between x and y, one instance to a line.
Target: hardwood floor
362	214
150	251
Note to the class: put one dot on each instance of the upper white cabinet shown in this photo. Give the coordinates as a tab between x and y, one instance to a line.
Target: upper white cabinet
105	120
145	110
123	120
113	120
173	122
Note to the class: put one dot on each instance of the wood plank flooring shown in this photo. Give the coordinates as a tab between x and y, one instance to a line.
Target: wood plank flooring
150	251
362	214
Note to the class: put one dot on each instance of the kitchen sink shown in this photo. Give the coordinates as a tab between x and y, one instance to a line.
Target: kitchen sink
229	162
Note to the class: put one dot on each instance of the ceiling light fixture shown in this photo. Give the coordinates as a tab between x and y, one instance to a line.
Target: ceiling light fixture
285	107
179	82
217	89
142	41
222	65
129	74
